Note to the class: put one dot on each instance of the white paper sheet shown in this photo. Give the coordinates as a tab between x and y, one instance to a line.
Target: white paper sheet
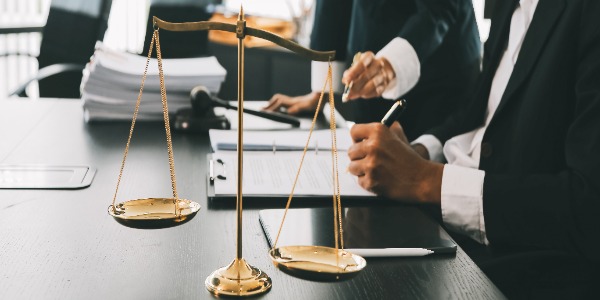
266	173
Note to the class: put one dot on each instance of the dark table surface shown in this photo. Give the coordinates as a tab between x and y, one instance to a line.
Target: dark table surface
62	244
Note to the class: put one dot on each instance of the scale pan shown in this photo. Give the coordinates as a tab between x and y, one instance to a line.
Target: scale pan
153	213
317	262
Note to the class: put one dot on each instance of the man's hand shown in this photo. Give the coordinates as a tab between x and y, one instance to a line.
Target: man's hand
293	105
387	165
370	76
421	150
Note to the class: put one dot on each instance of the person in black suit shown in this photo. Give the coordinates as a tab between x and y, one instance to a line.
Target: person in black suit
522	177
427	51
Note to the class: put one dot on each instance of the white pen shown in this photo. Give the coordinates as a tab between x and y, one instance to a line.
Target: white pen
390	252
349	85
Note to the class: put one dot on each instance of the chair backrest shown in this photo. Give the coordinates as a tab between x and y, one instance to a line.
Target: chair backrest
179	44
69	36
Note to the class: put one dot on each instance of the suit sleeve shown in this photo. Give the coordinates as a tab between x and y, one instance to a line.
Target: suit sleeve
426	29
558	210
331	27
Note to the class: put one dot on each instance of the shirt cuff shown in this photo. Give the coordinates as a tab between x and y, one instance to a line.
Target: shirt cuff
462	201
407	67
318	75
433	146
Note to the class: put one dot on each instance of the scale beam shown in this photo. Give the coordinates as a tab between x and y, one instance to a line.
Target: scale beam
246	30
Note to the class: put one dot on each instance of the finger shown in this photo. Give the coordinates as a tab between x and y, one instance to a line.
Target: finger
301	105
358	84
376	83
352	73
356	168
374	68
296	109
274	98
396	128
370	90
361	85
358	68
367	183
398	131
357	151
287	101
308	106
367	58
375	87
273	104
360	132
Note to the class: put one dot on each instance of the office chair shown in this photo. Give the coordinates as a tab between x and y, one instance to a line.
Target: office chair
68	40
179	44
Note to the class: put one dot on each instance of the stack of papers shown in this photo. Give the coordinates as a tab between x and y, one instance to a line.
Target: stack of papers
112	79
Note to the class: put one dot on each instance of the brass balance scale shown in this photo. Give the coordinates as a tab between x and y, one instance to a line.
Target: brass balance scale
239	278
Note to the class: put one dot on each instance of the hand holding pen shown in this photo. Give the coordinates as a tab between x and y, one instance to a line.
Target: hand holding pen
368	77
379	152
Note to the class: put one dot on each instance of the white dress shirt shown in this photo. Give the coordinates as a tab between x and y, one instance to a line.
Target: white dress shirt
462	182
399	53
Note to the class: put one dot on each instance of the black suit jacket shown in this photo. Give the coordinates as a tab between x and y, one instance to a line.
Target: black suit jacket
541	151
442	32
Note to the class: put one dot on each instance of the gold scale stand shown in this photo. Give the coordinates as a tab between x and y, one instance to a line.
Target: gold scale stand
239	278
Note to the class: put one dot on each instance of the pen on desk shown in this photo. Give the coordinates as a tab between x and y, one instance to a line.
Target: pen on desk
390	252
348	86
395	111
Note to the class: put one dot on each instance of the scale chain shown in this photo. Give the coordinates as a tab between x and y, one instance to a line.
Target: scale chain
336	183
163	95
336	194
135	114
155	38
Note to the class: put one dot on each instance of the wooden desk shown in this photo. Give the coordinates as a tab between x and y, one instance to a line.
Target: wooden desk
62	244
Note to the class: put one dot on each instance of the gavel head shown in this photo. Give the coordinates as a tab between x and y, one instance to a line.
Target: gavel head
202	102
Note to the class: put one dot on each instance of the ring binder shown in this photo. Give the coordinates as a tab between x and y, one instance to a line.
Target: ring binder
211	170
